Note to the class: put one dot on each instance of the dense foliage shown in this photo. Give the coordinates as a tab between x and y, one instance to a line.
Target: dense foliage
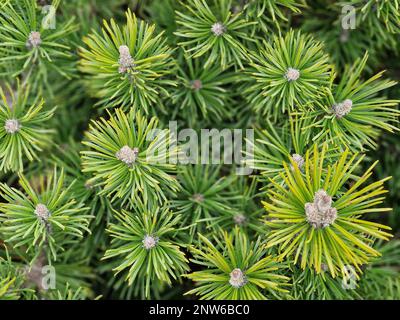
102	194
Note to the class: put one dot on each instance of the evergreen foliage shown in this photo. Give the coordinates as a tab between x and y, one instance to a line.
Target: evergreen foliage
99	190
146	239
318	220
135	55
124	162
289	72
31	48
24	130
46	217
213	30
236	270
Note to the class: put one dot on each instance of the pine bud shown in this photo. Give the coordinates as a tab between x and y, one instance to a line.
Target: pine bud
322	200
125	61
238	279
320	213
198	197
218	29
88	185
42	212
12	126
34	40
196	85
343	108
298	159
292	74
149	242
127	155
239	219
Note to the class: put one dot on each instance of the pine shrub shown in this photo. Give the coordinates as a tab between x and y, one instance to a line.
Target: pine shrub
100	185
